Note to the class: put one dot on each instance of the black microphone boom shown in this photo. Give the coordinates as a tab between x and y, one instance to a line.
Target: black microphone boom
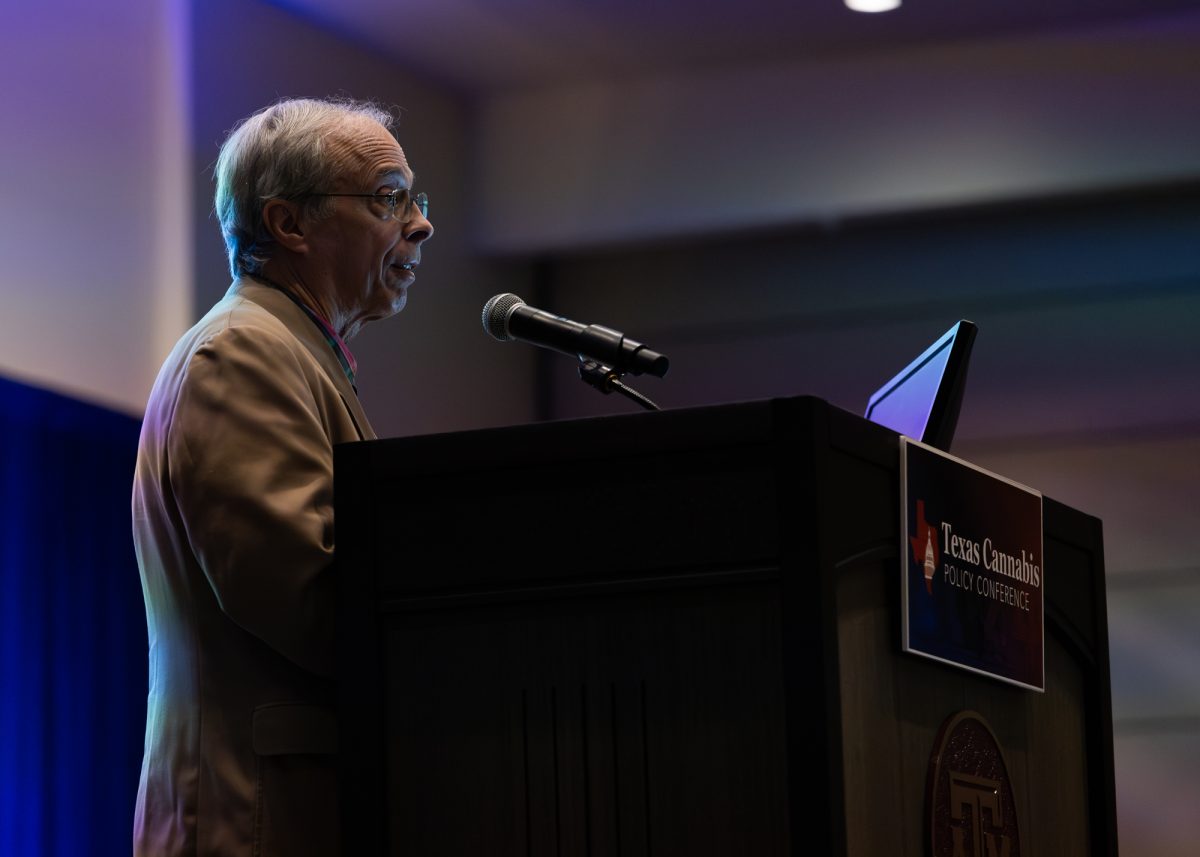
507	317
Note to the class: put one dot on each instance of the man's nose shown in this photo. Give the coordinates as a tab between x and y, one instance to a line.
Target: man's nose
418	230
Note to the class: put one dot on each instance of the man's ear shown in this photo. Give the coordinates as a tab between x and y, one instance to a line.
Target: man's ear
281	217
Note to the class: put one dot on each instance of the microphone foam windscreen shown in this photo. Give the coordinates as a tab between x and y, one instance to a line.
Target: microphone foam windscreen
495	315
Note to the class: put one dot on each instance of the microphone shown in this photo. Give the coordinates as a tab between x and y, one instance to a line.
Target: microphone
506	317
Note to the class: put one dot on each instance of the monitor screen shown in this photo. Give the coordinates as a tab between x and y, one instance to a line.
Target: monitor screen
923	401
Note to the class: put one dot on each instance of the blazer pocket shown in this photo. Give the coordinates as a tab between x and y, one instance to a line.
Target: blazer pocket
287	728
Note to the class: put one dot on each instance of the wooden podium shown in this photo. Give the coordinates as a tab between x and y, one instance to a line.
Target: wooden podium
677	633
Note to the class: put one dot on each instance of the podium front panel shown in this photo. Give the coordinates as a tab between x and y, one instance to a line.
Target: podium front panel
676	634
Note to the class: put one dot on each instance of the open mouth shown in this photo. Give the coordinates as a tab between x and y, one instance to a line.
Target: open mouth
409	268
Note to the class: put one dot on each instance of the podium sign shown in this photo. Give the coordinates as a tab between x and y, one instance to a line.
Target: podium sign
974	578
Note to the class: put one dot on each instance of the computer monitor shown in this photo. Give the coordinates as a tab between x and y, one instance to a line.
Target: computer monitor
923	401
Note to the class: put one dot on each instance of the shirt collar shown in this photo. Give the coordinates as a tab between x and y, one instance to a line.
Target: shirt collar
341	351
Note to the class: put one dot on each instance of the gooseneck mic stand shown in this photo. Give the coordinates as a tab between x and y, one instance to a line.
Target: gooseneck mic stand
607	380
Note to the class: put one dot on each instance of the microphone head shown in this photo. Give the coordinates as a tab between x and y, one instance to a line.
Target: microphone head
496	312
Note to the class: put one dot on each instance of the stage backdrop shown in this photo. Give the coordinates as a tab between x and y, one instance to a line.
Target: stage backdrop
72	628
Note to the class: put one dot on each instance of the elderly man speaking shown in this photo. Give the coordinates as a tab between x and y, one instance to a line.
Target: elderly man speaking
233	494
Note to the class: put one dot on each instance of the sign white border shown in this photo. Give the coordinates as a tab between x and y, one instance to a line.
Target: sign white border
904	565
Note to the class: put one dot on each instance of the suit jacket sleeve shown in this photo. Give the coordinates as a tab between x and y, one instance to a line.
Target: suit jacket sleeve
251	467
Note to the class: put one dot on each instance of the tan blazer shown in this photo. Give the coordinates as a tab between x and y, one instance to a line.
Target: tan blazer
233	525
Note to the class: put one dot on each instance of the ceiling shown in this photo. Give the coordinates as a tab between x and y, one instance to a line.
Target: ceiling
484	46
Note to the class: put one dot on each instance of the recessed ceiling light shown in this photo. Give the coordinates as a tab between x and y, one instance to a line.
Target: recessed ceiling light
872	5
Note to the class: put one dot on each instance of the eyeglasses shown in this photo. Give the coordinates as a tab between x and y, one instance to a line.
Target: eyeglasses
401	204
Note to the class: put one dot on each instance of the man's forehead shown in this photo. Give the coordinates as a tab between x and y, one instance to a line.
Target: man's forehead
368	151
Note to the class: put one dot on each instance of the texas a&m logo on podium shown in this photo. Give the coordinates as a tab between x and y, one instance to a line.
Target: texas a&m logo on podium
969	797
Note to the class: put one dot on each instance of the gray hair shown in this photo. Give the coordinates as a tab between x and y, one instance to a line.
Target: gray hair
281	152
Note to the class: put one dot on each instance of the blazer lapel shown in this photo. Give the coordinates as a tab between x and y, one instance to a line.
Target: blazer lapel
282	307
357	415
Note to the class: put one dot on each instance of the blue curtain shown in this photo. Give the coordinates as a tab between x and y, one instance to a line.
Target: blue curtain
72	628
